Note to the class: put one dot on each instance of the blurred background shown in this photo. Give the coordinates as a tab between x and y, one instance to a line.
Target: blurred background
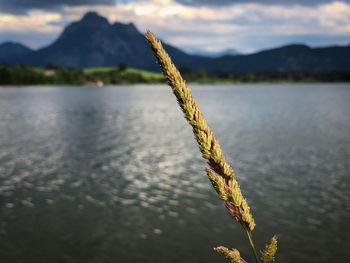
97	163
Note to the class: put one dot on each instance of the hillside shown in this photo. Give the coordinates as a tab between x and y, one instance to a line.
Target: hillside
13	53
94	42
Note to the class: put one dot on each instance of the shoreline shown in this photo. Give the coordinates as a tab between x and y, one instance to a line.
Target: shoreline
67	86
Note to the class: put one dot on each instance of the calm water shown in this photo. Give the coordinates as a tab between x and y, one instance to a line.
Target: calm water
114	175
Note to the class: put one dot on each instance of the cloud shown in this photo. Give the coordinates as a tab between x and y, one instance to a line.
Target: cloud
23	6
244	26
262	2
35	29
34	22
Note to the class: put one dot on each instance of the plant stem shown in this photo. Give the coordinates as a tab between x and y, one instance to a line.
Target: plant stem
251	242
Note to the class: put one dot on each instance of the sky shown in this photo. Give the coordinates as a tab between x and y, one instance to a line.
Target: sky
192	25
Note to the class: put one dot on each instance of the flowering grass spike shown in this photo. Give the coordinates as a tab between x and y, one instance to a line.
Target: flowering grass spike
219	172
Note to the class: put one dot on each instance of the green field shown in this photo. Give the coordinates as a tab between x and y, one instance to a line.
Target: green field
122	74
144	73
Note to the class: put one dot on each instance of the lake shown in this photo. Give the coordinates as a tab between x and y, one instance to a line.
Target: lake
114	175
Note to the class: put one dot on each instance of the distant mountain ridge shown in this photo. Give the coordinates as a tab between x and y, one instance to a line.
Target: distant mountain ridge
290	58
13	53
93	42
216	54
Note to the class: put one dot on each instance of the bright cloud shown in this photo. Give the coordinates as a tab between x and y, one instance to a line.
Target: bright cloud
34	21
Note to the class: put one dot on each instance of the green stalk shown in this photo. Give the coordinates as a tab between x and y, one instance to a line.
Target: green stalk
251	242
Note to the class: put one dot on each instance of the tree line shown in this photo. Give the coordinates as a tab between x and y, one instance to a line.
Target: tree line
51	75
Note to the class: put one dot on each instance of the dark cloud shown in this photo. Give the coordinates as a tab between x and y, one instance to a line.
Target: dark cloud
272	2
22	6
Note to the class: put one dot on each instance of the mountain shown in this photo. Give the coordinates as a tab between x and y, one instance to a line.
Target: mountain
291	58
93	41
13	53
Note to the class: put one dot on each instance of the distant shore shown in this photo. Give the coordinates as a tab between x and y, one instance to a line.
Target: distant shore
99	76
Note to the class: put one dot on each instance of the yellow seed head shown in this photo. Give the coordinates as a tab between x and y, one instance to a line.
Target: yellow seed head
232	255
208	145
268	254
218	183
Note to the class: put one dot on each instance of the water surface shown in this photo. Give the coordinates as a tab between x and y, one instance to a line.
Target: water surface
114	174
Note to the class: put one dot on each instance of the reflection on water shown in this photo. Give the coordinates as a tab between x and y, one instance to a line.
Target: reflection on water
114	175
